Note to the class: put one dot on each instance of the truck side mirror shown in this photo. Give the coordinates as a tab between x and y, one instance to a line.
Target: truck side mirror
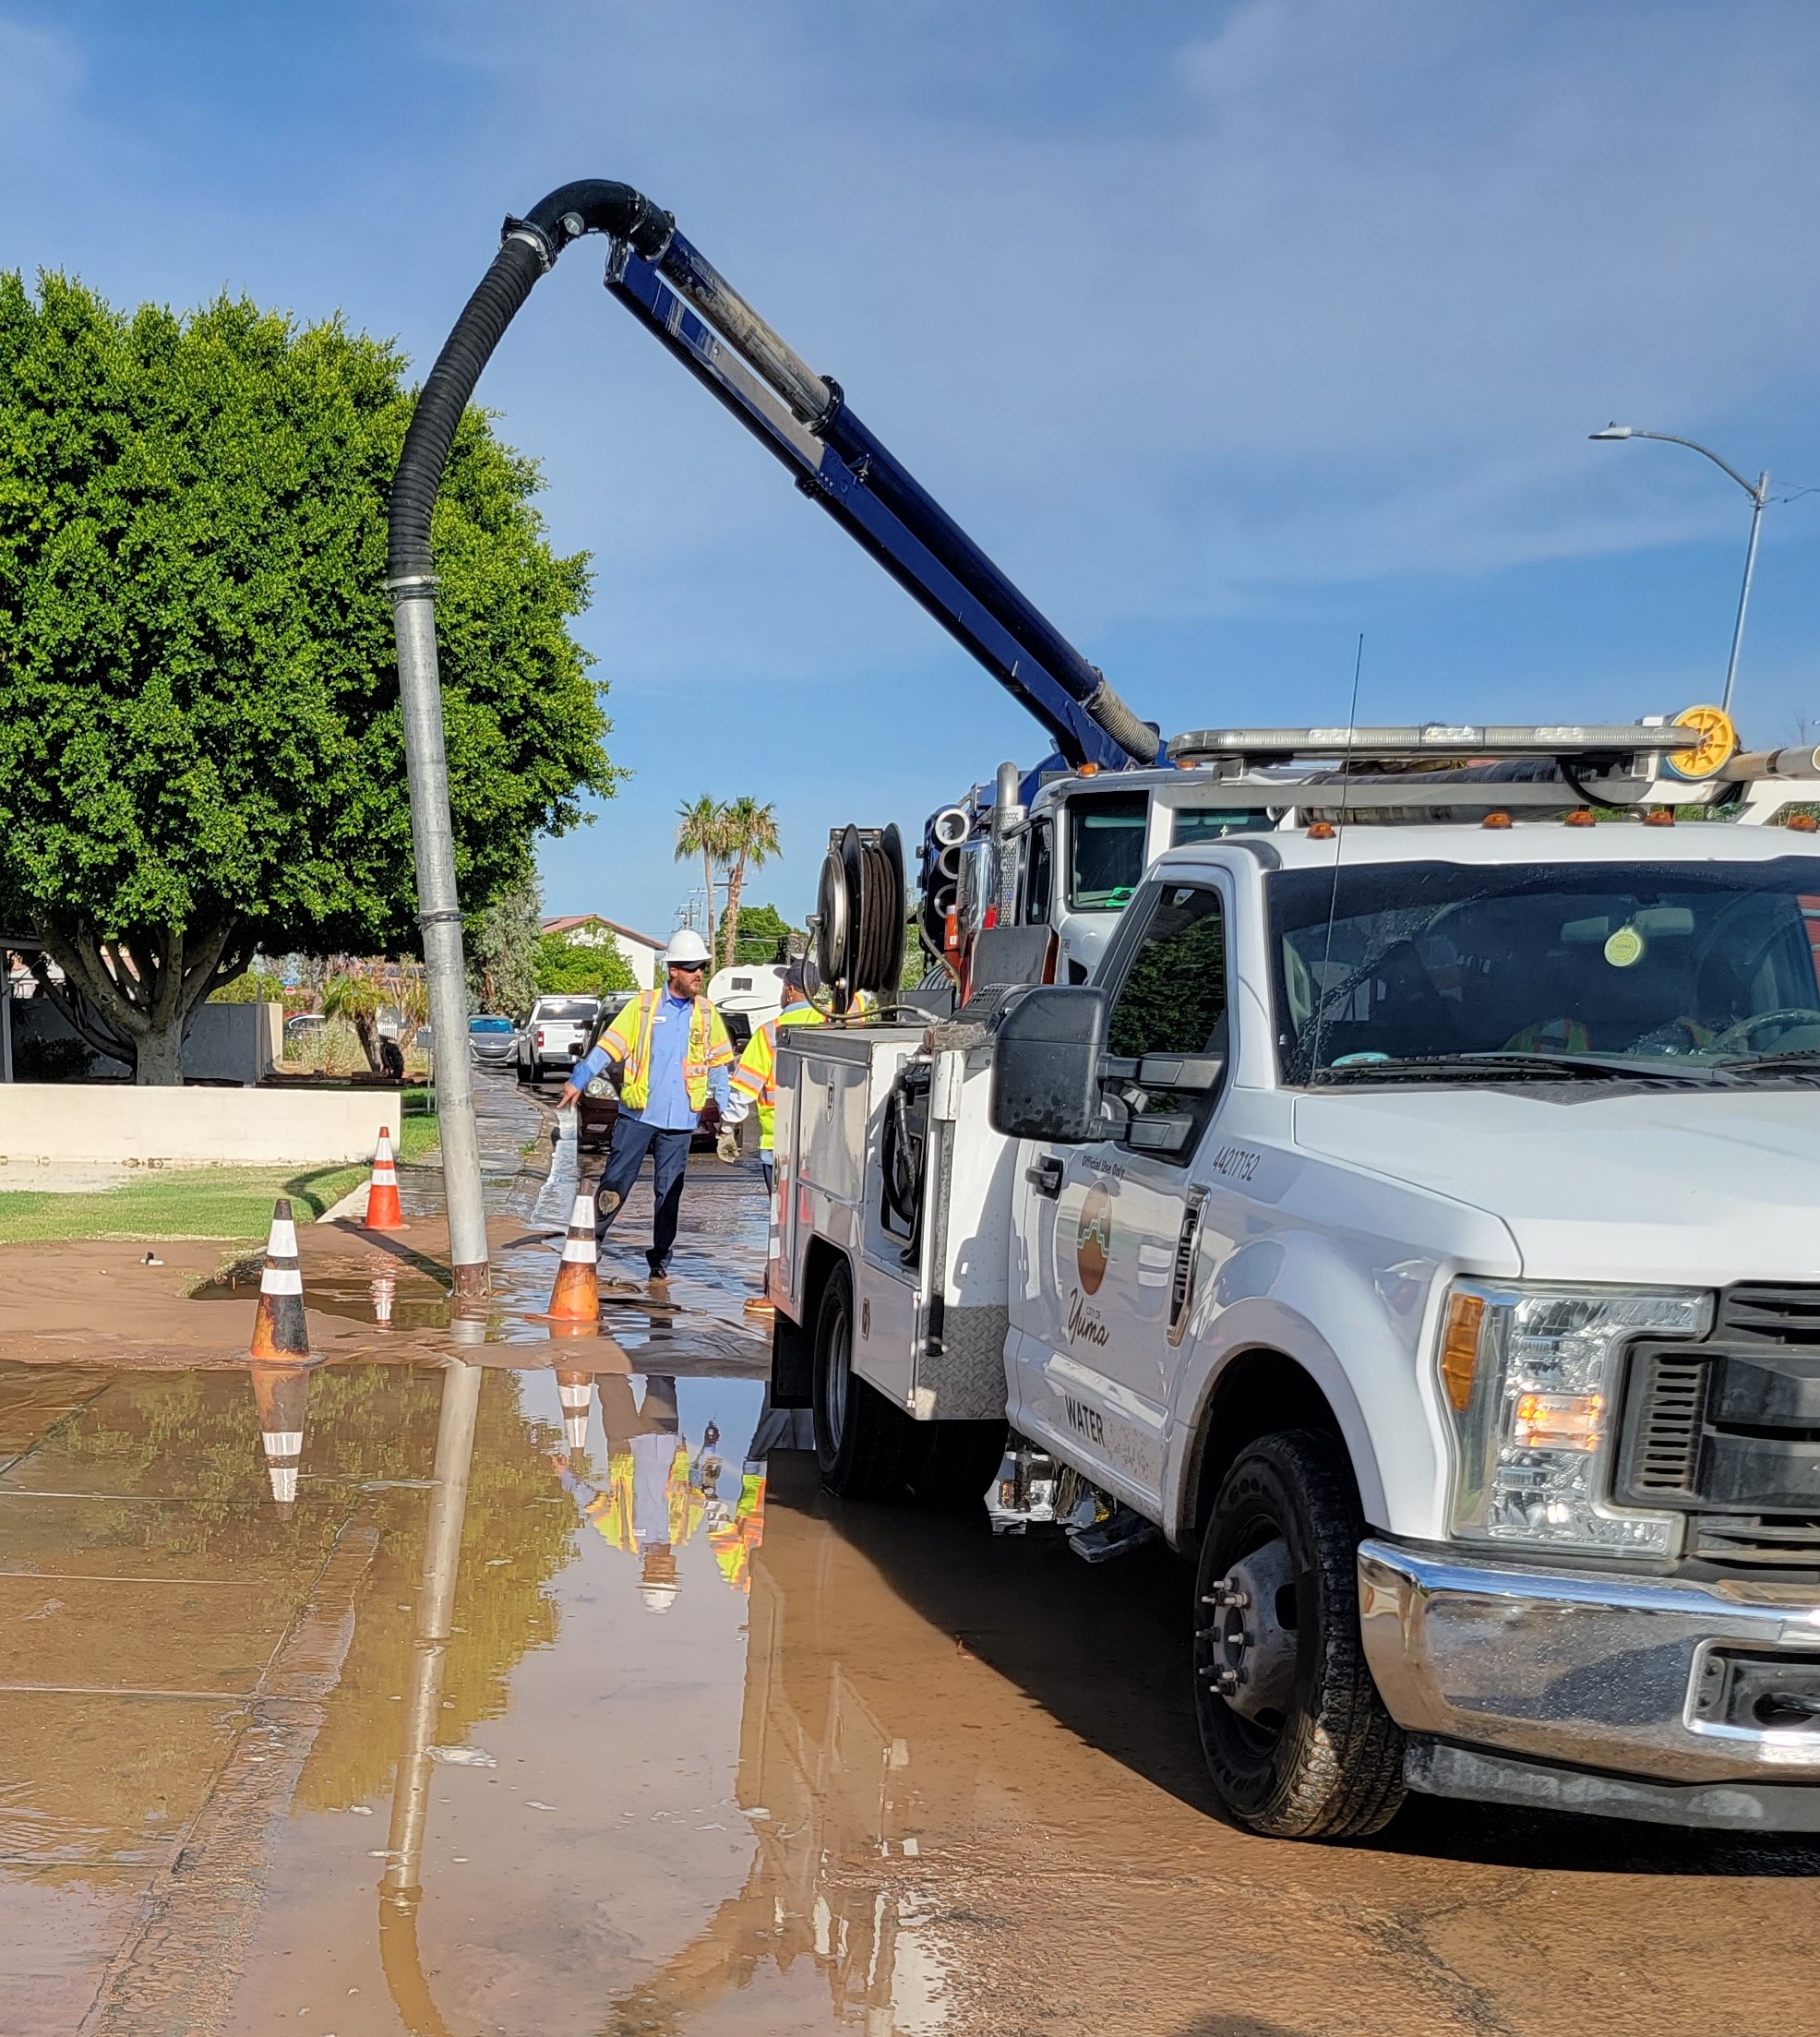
1046	1065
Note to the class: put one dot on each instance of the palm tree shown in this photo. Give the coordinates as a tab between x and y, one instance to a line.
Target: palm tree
360	1001
702	830
749	841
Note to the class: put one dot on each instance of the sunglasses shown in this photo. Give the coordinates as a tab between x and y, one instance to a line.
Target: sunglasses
689	968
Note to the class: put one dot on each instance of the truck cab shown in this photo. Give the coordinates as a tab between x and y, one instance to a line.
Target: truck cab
1414	1226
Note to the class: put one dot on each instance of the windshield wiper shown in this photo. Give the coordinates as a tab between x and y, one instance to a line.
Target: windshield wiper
1515	1067
1797	1060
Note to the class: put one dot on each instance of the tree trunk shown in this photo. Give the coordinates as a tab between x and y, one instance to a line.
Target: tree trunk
708	874
160	1056
143	986
735	883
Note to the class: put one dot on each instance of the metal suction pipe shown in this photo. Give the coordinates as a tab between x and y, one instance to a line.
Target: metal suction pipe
528	248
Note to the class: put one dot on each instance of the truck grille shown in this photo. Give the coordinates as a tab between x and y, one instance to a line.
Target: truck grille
1668	1449
1770	1315
1729	1431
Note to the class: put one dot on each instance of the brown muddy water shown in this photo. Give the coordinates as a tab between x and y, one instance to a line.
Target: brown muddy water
485	1734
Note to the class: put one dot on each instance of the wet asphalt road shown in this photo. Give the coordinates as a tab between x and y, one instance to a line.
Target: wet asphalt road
692	1747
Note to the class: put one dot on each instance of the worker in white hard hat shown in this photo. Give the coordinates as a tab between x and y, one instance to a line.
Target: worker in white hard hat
676	1053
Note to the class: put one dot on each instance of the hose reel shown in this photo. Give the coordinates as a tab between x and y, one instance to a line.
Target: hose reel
859	911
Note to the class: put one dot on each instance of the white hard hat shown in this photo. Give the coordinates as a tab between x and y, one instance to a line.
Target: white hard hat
686	945
658	1598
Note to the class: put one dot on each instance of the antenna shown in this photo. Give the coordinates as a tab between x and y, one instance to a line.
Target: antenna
1322	1000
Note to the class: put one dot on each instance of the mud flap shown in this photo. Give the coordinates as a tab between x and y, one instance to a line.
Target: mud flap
792	1364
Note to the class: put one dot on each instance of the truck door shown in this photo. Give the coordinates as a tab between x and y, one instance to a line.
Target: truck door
1100	1223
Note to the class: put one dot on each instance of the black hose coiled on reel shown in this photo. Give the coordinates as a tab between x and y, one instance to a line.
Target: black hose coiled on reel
859	919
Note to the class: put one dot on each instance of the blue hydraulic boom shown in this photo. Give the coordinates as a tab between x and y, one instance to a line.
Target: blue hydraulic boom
803	418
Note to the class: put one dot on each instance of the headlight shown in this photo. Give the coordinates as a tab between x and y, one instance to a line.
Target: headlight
600	1087
1530	1375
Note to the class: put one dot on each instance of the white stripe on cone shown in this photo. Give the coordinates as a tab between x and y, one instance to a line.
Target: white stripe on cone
283	1242
284	1442
281	1280
283	1482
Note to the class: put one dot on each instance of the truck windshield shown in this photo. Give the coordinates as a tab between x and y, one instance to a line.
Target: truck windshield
1106	833
578	1009
1702	965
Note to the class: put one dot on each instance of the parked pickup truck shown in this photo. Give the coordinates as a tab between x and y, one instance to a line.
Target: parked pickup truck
1418	1227
555	1037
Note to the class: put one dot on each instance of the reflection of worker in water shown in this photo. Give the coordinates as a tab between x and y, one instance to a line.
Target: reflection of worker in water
829	1785
650	1505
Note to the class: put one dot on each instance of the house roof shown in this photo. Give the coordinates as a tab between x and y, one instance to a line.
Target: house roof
566	922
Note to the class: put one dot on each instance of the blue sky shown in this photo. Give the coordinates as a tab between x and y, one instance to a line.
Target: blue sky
1231	330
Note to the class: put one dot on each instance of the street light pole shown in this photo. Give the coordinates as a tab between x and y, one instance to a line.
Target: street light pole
1759	495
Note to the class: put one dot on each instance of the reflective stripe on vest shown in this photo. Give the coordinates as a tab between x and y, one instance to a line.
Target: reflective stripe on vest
757	1073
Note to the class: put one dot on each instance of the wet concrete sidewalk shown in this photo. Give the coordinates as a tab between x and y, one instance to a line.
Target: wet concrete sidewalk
499	1729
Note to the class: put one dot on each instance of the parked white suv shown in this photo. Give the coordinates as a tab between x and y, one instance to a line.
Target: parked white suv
554	1036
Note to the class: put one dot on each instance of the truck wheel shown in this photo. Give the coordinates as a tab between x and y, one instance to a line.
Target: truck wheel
860	1438
1296	1739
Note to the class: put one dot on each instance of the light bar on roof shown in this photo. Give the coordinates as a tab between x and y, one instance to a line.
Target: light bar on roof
1437	739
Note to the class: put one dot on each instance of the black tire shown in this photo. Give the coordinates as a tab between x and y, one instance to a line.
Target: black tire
955	1461
1326	1761
520	1070
861	1441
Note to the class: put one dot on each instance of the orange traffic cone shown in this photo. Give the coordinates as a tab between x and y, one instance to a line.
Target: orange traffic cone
575	1298
279	1329
280	1391
575	1391
382	1210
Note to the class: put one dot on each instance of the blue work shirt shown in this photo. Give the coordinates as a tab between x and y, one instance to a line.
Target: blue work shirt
667	1106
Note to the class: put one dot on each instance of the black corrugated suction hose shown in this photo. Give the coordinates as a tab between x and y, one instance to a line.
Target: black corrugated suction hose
531	244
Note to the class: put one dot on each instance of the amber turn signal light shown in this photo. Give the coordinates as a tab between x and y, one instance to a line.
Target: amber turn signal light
1459	1348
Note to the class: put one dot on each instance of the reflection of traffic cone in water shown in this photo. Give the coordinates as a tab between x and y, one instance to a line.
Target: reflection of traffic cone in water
382	1210
279	1330
384	1291
575	1298
280	1391
575	1390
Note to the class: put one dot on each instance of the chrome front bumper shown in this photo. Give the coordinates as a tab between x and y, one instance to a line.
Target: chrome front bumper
1580	1670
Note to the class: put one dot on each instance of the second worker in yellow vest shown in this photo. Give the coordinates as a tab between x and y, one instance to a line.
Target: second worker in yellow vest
755	1080
675	1051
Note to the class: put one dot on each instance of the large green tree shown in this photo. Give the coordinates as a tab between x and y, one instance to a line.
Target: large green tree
201	748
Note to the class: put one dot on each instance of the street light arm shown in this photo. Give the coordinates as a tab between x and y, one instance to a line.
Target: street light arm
1752	488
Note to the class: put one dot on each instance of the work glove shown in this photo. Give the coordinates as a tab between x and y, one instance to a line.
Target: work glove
726	1147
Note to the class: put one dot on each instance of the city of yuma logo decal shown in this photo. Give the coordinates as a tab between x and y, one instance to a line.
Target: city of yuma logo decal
1093	1239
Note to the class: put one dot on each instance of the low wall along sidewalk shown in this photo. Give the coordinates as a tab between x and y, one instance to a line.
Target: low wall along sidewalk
131	1127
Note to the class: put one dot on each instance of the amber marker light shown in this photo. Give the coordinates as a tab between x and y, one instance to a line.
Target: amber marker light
1581	816
1459	1347
1558	1422
1495	820
1321	830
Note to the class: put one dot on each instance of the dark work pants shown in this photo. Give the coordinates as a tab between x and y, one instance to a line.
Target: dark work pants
632	1139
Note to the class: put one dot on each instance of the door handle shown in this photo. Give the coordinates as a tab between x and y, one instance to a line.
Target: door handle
1045	1177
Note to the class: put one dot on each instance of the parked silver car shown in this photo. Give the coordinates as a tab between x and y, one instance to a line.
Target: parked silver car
493	1041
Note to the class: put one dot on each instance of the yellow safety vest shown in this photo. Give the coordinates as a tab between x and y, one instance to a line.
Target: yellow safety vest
628	1039
756	1074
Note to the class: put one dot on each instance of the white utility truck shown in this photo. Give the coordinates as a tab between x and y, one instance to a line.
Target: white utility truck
1416	1225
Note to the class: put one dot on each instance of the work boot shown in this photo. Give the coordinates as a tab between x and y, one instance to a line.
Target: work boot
659	1268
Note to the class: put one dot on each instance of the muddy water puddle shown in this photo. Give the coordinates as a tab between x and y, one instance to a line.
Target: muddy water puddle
554	1696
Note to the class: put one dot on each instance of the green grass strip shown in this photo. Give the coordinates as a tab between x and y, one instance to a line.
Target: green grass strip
224	1203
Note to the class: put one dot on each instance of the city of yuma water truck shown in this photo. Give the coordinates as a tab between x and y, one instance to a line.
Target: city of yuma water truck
1384	1163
